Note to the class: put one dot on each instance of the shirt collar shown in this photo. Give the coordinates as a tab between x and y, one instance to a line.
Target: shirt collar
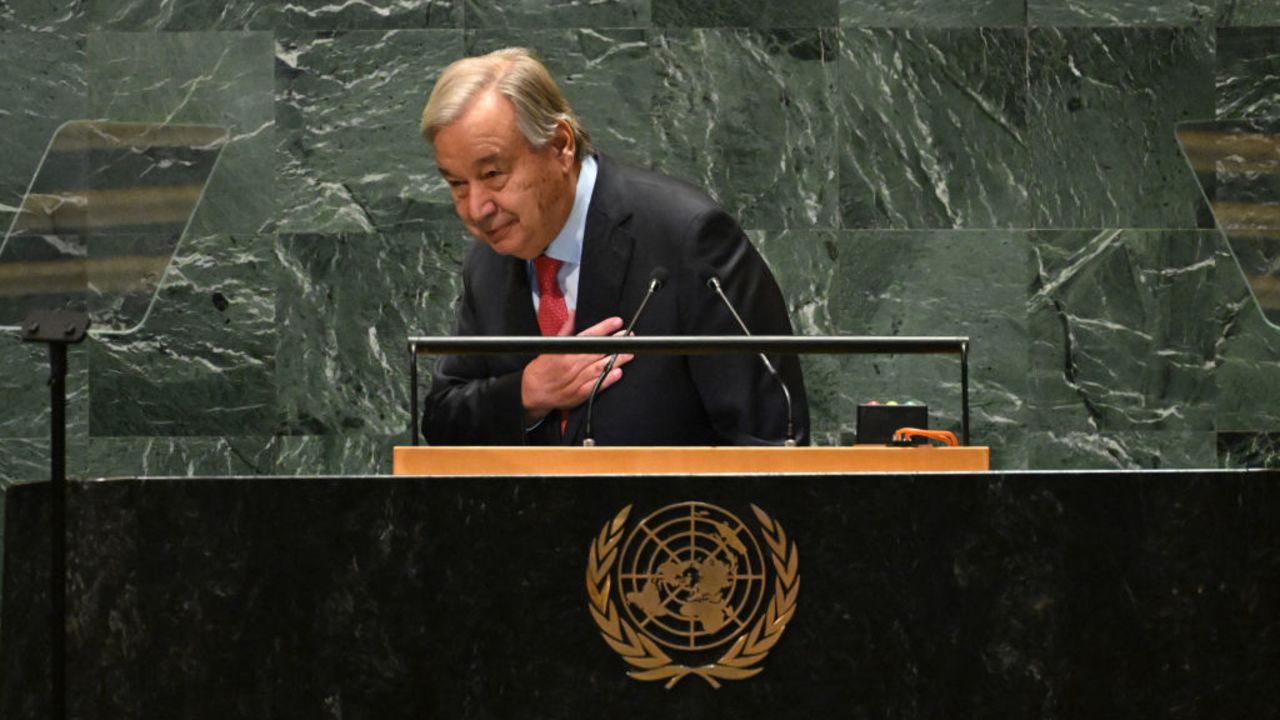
567	246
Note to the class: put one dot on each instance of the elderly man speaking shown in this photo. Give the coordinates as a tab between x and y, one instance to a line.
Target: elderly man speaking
567	242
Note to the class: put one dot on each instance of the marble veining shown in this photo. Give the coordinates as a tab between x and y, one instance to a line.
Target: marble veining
933	130
1248	13
1248	74
335	453
57	78
350	157
221	79
1237	163
1120	449
528	14
189	15
1102	13
749	115
745	13
1249	377
214	376
341	362
42	16
23	460
933	13
872	282
1128	326
180	456
24	387
1249	450
977	132
1103	105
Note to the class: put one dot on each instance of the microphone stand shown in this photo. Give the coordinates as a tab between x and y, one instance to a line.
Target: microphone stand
57	329
655	283
713	282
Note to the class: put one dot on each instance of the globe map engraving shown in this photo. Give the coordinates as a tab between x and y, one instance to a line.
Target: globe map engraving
691	576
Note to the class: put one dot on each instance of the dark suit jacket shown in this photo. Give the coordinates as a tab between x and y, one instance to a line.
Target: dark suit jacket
637	220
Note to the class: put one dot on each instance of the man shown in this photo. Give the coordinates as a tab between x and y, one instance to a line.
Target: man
567	241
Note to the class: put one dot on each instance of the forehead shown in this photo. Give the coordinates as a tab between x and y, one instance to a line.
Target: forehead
485	131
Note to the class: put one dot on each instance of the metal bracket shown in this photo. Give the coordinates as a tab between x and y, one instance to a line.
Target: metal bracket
55	326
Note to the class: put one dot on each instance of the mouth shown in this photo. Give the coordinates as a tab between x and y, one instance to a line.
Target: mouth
499	232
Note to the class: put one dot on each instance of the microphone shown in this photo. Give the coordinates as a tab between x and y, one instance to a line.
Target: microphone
713	282
657	279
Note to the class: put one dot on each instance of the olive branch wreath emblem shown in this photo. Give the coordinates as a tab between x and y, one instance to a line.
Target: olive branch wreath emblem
742	658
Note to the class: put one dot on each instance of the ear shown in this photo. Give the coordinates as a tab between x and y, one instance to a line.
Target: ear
563	144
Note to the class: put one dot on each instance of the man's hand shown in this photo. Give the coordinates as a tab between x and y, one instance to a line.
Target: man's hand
561	382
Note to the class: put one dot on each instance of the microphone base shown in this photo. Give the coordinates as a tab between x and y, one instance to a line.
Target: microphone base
588	443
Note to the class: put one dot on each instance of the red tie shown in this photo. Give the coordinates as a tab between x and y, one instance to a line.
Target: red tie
552	312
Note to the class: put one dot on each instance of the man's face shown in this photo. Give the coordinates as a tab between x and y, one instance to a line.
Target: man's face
509	195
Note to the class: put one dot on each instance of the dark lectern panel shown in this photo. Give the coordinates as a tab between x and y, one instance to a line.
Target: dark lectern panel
990	595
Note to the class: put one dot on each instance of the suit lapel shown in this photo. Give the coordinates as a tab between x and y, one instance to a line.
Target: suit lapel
606	259
519	299
522	320
606	250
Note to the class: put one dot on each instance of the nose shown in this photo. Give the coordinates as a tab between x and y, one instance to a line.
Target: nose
480	202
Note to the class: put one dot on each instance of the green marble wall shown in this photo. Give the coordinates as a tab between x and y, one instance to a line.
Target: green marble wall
1001	169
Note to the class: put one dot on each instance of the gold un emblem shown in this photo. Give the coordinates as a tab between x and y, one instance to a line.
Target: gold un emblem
691	581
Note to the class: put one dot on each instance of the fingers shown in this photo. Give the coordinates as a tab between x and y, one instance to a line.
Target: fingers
567	328
591	372
552	382
594	365
585	388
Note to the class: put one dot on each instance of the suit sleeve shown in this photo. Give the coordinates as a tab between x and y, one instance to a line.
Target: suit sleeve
744	402
470	404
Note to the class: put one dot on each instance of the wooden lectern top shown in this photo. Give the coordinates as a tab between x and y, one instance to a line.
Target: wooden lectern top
498	461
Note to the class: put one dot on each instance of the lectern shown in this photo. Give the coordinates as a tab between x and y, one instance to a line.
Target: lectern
755	595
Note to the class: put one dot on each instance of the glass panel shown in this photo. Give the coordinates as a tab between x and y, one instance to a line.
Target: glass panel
102	218
1238	165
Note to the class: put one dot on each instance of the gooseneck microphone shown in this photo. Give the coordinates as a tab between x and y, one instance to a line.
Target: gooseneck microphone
713	282
657	279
